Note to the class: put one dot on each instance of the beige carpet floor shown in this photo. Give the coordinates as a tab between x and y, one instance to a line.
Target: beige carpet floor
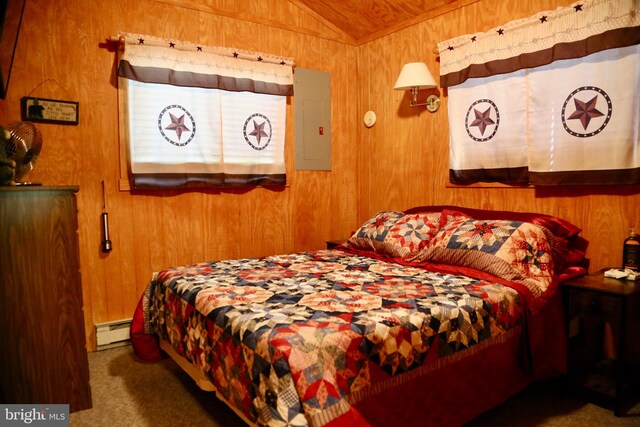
127	392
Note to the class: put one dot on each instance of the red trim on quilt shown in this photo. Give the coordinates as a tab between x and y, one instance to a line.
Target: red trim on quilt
145	346
351	418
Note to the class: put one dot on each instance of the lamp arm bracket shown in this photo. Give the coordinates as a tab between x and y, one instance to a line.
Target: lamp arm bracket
432	103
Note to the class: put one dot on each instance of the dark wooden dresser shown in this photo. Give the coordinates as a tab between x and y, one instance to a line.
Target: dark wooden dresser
43	356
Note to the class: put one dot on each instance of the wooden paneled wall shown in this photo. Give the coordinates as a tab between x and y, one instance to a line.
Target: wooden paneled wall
404	157
61	55
400	162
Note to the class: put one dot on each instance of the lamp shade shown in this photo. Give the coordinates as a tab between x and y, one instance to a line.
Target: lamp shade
415	74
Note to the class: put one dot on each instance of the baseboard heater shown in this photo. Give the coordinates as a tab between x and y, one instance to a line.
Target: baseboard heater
112	334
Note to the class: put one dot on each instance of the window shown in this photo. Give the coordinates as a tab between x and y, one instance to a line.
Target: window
198	116
548	100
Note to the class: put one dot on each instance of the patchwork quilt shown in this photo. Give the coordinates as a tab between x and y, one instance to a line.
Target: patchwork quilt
297	339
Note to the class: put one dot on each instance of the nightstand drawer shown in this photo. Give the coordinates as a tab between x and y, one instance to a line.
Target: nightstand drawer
592	304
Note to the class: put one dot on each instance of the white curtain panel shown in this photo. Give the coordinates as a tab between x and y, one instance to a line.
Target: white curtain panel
174	129
253	130
583	116
487	135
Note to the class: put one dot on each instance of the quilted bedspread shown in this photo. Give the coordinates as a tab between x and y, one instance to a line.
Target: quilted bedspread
295	339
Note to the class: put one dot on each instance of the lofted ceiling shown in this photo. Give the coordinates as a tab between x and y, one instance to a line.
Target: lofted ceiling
365	20
349	21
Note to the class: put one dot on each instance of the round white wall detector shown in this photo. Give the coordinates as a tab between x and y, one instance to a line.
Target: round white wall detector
369	119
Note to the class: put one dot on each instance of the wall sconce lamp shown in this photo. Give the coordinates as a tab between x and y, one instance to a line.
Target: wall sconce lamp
415	76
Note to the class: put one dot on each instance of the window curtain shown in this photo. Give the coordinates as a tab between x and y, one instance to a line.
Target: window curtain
549	100
202	116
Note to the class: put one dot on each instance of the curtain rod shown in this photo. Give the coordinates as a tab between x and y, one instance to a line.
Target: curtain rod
121	40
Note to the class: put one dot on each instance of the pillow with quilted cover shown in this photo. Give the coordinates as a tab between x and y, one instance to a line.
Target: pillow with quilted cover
395	234
411	233
558	226
512	250
568	247
370	236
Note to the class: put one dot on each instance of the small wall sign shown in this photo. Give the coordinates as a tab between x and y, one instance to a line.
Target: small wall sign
44	110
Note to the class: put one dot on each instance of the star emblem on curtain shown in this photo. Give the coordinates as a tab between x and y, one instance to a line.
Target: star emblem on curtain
585	111
482	120
258	131
177	125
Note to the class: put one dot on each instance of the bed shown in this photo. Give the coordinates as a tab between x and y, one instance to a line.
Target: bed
429	316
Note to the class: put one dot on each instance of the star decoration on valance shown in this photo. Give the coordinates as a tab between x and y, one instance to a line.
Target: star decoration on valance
151	41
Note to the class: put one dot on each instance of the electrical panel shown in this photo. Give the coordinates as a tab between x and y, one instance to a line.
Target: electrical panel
312	116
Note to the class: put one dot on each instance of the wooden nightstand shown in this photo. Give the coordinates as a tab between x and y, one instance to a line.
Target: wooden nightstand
591	303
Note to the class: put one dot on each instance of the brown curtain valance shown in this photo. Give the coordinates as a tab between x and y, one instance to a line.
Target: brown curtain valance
154	60
566	33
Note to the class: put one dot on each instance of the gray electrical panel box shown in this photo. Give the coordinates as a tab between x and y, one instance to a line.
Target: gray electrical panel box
312	116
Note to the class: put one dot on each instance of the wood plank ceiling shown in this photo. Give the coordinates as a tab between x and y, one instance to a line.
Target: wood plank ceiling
365	20
350	21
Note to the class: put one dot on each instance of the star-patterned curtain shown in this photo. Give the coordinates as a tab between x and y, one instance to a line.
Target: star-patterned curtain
202	116
547	100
